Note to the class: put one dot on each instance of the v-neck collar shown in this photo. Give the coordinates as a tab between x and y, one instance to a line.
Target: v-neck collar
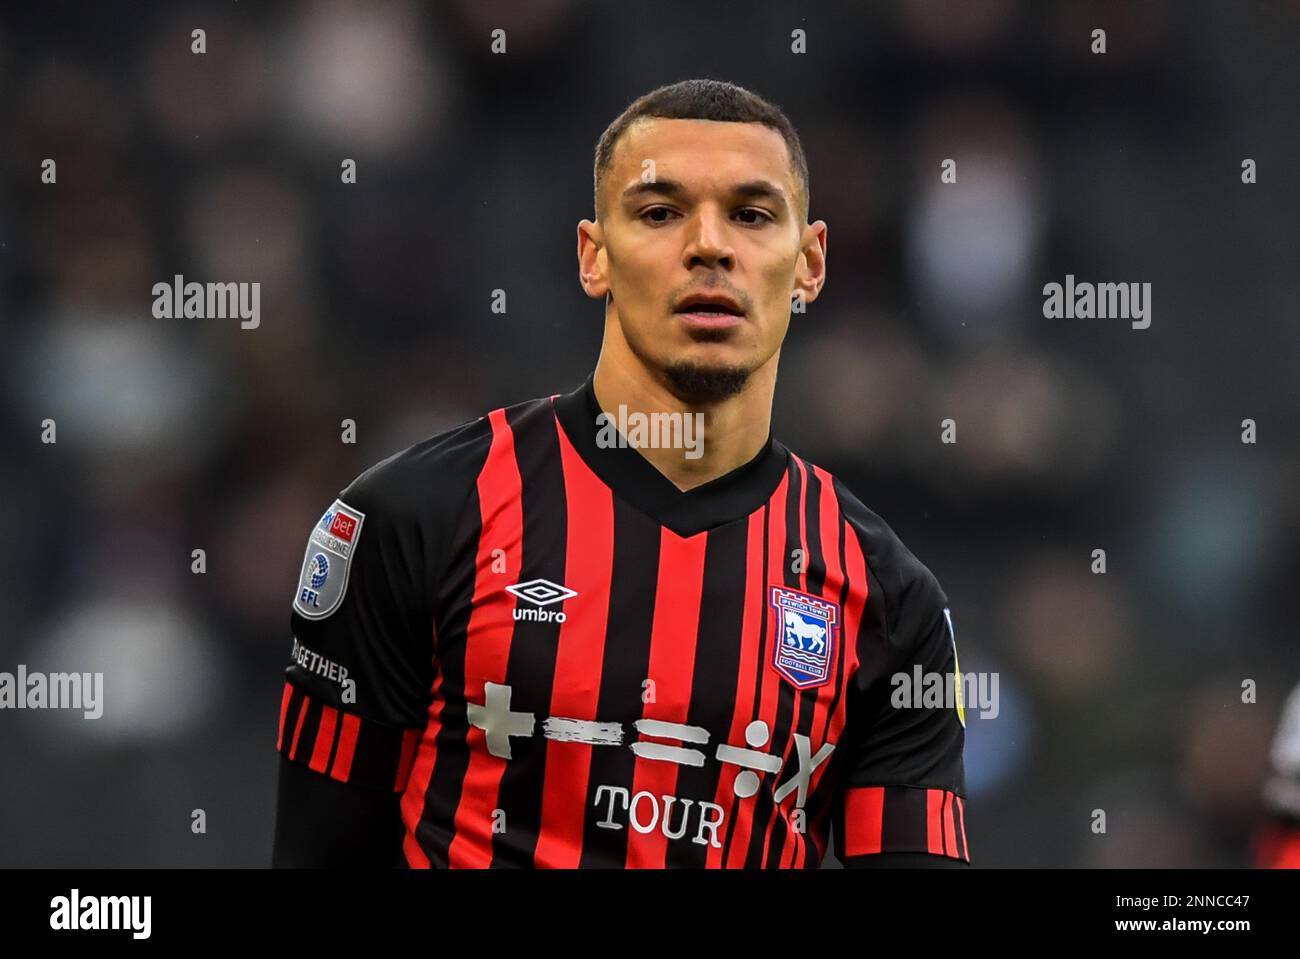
634	479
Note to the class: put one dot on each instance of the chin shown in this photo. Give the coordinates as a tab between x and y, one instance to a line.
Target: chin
706	379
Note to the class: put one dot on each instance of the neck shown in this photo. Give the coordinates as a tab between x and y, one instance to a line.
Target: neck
733	430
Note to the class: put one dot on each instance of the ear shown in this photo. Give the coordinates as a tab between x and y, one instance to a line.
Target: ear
592	260
810	271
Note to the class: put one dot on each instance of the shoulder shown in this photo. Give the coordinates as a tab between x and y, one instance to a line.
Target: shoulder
438	471
424	473
394	526
904	578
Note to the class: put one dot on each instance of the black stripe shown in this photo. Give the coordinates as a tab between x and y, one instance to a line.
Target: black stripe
945	798
310	729
873	632
718	643
812	512
903	820
533	645
634	581
378	751
451	761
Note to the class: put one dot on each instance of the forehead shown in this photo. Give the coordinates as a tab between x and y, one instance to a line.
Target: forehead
687	150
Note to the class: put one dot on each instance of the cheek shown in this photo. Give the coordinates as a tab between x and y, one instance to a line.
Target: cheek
635	273
778	288
776	329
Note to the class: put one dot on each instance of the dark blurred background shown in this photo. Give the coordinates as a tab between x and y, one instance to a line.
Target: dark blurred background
1119	691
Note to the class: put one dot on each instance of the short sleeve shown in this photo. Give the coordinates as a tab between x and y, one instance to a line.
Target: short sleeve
903	785
358	683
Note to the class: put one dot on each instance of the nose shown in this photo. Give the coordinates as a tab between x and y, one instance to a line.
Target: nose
707	244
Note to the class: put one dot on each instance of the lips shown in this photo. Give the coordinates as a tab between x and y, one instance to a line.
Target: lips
709	305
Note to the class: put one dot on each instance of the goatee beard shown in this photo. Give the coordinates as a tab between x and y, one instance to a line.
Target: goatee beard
693	383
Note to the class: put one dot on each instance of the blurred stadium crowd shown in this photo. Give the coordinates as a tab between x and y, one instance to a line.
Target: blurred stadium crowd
1120	691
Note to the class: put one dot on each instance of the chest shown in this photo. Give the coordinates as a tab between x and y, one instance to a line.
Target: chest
720	650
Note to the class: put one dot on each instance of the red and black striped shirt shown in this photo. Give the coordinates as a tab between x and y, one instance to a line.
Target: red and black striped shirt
548	655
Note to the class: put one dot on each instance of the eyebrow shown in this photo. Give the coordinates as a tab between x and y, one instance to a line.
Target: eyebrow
749	189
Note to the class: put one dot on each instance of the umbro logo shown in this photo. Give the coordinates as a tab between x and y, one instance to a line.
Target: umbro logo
541	592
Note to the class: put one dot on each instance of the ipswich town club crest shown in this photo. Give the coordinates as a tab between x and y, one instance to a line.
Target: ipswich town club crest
806	630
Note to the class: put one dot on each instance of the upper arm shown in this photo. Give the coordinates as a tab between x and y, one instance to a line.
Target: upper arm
361	658
902	788
359	683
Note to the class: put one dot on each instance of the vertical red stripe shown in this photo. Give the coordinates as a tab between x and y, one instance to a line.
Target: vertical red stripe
961	816
950	825
409	738
499	490
579	659
320	753
284	710
297	729
347	747
864	816
934	815
769	689
751	618
417	785
672	666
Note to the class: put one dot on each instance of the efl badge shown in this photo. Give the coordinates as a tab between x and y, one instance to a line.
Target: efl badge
325	566
807	627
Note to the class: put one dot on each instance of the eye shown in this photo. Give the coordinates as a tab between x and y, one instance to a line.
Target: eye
762	215
648	214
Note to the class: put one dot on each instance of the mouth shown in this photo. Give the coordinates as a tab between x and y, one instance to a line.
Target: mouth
709	311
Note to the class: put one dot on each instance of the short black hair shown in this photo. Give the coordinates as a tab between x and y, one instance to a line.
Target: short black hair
703	99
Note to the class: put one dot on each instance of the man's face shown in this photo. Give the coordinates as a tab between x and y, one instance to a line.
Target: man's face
702	246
